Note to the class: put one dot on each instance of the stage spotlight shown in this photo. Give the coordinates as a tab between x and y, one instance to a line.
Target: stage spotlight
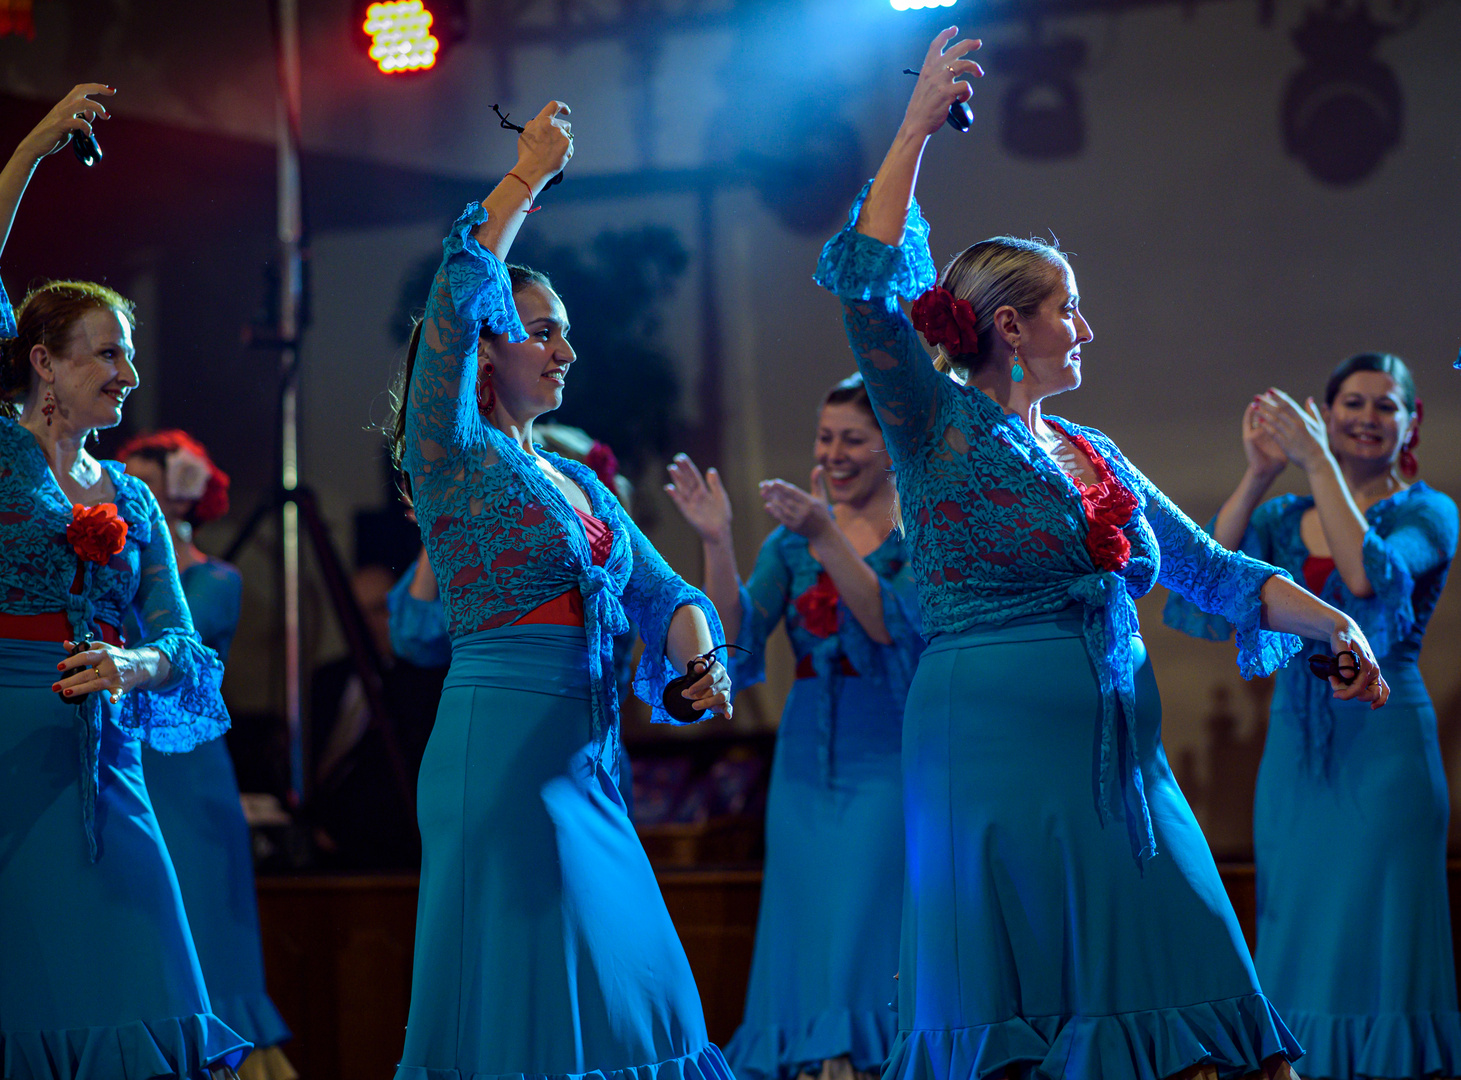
1041	113
404	36
1343	111
919	5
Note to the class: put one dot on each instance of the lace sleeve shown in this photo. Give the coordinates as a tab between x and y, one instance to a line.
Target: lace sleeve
896	662
1418	539
188	709
869	276
7	314
652	596
418	627
763	602
1182	614
471	287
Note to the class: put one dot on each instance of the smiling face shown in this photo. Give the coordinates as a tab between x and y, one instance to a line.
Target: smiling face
852	454
1051	340
1368	420
528	376
91	375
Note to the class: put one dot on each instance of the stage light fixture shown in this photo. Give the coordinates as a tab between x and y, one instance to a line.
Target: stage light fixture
1041	114
1343	111
919	5
400	36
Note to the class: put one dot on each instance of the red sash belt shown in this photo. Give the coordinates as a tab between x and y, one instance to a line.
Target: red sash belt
50	626
566	609
805	669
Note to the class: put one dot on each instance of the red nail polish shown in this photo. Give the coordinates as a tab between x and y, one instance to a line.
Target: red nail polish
66	692
60	667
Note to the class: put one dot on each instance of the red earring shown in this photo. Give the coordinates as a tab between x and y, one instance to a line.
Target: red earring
49	407
1408	465
486	392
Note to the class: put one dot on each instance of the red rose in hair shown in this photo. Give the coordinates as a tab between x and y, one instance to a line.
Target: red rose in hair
947	321
818	607
96	533
602	461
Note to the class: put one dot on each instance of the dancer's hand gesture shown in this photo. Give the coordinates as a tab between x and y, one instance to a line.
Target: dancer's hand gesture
1369	685
545	145
1297	430
1265	457
940	84
800	512
74	112
700	499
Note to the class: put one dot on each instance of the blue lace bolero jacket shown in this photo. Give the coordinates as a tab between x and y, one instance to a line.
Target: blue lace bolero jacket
1407	555
996	528
785	569
501	537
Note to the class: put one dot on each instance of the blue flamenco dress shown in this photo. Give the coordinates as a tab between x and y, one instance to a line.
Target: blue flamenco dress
98	975
1062	915
827	936
195	797
543	946
1350	813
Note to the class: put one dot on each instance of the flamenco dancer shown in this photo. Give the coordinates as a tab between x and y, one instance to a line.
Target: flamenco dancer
1360	966
99	978
195	795
839	574
543	947
1063	915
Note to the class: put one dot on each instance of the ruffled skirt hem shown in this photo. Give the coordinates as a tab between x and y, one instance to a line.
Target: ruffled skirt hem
705	1064
142	1050
1235	1035
253	1017
774	1052
1387	1045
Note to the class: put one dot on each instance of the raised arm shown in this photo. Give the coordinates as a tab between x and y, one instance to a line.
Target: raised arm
75	112
1266	460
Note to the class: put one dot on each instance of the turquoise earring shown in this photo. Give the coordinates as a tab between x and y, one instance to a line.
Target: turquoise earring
1017	373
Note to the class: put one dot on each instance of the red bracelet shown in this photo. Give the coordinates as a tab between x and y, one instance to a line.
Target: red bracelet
531	208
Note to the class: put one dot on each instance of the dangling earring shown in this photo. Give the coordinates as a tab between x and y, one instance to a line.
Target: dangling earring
1408	465
485	407
1017	373
49	406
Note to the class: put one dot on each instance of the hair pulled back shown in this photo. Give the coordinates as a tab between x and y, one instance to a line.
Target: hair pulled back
520	278
47	316
851	391
1003	271
1385	363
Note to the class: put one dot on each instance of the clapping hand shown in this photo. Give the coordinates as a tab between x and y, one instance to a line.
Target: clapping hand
700	499
1298	432
800	512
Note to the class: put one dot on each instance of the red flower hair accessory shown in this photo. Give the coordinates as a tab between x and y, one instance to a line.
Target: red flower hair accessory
947	321
188	471
96	533
818	607
601	460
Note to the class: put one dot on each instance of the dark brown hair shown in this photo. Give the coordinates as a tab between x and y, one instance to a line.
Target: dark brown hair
520	277
850	391
47	316
1385	364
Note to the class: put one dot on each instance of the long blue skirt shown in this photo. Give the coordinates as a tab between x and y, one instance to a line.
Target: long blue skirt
1031	937
98	977
195	798
543	947
827	936
1354	930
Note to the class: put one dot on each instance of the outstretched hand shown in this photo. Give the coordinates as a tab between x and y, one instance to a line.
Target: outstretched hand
74	112
700	499
802	513
940	83
545	145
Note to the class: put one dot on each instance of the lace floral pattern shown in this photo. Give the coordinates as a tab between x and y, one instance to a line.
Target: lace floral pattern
501	537
997	530
1407	556
38	567
785	572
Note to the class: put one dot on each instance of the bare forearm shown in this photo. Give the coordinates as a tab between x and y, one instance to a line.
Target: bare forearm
856	582
1290	609
1344	526
689	636
507	208
885	210
1237	512
13	181
723	582
423	582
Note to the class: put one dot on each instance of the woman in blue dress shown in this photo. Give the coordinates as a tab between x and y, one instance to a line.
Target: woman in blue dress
1350	814
98	975
838	572
195	795
1063	915
543	947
